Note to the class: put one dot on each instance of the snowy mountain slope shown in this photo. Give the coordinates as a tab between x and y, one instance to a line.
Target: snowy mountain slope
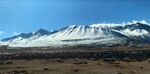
138	32
83	32
89	35
31	35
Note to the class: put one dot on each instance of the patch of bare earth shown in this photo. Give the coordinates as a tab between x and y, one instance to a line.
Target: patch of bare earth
73	66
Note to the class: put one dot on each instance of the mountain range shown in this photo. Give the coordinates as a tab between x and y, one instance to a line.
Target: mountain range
78	35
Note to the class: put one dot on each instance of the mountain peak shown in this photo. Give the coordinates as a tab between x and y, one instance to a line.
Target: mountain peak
41	29
72	26
138	24
42	32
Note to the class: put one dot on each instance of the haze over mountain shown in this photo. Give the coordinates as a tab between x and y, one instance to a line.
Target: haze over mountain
101	35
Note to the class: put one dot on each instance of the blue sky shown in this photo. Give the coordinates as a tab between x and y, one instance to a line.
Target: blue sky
17	16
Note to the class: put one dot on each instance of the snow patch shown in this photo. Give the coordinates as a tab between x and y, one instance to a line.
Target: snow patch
137	32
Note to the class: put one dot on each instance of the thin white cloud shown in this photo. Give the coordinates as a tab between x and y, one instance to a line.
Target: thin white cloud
142	21
105	25
115	24
1	32
15	33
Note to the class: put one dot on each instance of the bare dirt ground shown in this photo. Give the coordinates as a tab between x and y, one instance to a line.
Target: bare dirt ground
73	66
79	61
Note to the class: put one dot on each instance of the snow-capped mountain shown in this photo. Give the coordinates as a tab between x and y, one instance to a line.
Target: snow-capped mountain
21	36
133	33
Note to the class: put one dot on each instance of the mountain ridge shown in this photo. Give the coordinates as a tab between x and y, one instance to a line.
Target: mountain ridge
134	33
